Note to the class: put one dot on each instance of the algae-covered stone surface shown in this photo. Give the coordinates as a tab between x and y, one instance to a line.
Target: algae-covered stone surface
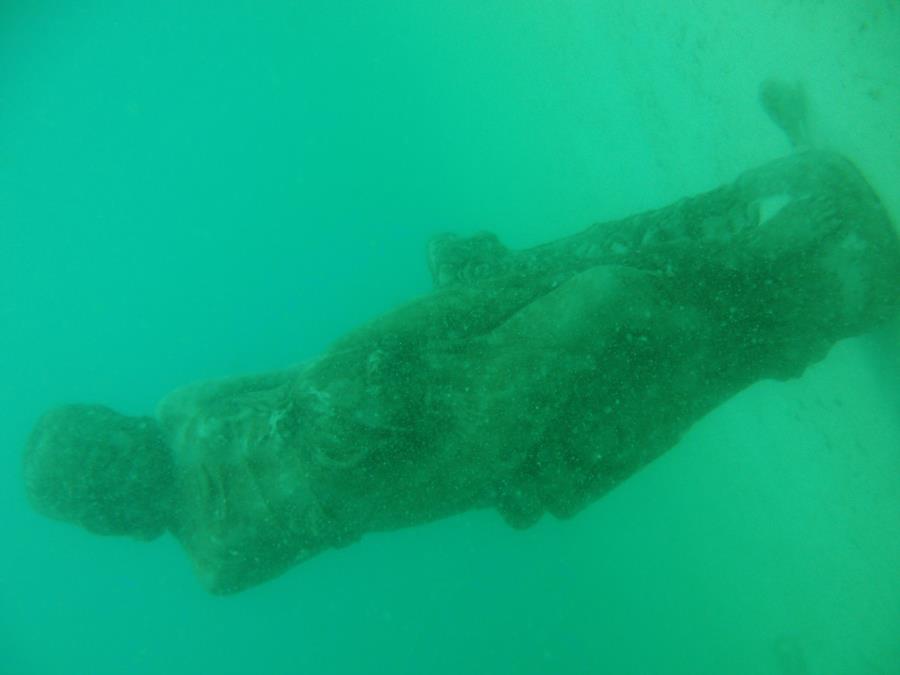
529	381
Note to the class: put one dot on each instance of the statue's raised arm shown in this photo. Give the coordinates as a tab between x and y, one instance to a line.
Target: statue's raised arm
528	381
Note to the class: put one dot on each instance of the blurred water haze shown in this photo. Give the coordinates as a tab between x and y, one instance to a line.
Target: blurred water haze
190	190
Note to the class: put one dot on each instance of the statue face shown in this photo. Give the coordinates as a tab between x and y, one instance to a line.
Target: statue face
109	473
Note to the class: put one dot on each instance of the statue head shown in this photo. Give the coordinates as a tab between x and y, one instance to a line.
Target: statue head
109	473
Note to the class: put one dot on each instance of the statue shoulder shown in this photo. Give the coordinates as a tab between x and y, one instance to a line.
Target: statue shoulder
204	409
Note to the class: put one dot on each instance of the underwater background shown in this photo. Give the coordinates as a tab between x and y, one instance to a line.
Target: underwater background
197	189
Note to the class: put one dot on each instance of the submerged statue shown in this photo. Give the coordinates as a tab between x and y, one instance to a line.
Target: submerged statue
528	381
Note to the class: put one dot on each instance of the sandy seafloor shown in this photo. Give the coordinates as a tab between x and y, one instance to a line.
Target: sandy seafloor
195	189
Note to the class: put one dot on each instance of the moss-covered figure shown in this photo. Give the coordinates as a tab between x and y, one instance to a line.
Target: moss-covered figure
528	381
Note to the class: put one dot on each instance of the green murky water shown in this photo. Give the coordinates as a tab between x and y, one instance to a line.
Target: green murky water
190	190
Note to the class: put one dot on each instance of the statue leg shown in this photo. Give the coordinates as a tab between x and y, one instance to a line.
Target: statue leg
563	396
